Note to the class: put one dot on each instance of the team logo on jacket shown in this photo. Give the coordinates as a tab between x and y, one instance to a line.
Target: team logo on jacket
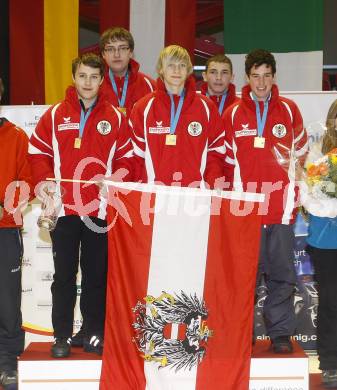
104	127
194	129
279	130
246	131
68	125
159	128
171	331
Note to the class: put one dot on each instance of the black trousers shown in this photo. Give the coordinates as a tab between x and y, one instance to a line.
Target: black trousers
276	263
11	333
73	240
325	263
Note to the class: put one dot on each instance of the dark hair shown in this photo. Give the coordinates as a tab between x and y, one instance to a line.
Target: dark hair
88	59
116	34
222	58
330	136
259	57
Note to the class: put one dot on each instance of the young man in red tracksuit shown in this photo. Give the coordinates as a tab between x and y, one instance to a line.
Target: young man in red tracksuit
178	134
217	84
268	140
123	83
83	137
14	169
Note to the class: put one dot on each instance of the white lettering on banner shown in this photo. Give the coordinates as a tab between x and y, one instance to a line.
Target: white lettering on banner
25	117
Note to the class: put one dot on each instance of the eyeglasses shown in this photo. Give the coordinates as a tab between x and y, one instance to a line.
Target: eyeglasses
119	49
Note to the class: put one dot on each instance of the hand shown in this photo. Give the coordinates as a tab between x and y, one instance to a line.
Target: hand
45	188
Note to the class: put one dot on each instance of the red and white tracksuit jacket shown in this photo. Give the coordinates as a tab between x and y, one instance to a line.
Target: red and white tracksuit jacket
105	147
16	177
230	98
200	152
139	85
271	169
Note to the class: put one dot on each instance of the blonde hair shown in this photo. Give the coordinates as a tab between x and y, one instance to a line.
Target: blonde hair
330	137
173	53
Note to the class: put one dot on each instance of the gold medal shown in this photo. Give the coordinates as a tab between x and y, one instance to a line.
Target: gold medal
122	110
259	142
77	143
171	139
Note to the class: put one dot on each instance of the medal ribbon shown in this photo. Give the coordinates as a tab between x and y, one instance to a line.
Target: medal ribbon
261	120
121	101
176	114
84	117
222	102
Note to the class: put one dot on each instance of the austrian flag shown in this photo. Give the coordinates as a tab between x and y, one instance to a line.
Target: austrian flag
182	266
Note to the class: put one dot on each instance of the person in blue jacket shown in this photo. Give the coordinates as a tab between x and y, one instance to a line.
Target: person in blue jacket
322	247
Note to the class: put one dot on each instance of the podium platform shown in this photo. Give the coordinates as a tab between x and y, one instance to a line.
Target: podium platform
38	370
286	371
81	371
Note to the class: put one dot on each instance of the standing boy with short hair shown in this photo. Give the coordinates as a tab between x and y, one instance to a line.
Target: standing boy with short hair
266	133
81	138
123	83
218	82
14	170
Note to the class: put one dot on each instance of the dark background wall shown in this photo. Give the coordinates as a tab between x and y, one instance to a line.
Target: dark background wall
4	47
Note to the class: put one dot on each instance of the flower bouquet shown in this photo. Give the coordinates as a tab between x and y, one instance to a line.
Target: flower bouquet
319	186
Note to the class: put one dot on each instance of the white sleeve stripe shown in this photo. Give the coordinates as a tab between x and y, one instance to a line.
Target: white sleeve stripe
149	83
119	115
126	143
206	108
233	112
40	140
230	160
289	110
220	136
34	150
302	151
228	146
146	111
138	151
299	137
126	155
219	149
139	138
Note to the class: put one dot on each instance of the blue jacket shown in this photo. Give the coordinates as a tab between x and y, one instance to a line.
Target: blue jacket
322	232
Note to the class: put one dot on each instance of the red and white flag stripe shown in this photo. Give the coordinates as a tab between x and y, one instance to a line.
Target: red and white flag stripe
180	290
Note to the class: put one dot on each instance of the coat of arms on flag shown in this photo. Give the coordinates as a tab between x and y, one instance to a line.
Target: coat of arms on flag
173	331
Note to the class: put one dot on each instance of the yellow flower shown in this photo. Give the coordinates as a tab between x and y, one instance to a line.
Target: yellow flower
333	159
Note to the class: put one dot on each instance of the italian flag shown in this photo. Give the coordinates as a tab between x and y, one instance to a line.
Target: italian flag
291	30
181	281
